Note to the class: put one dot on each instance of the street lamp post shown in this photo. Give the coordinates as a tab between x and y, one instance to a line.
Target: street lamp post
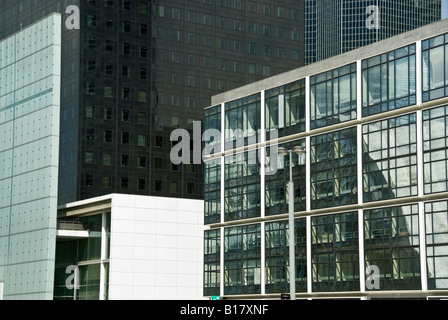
292	263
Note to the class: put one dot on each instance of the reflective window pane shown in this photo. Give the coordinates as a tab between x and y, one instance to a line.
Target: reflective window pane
391	243
277	256
242	260
333	96
435	151
335	255
388	81
334	169
436	214
390	158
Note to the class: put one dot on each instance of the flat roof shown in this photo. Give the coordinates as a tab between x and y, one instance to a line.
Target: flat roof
374	49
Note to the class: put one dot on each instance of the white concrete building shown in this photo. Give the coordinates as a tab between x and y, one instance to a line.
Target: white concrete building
130	247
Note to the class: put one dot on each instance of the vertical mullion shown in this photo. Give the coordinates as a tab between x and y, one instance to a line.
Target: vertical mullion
418	72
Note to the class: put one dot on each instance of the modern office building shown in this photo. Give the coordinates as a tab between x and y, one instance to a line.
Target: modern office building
128	247
30	73
333	27
371	191
136	70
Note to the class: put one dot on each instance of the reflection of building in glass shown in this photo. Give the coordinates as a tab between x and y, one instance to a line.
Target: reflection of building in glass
334	27
371	191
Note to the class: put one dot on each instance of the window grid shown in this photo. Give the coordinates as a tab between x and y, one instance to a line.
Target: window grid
436	214
285	110
277	256
242	186
435	68
389	81
335	252
435	151
390	158
334	169
242	259
391	243
212	246
333	96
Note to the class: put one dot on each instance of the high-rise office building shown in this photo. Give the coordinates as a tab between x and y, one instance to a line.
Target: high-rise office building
30	73
136	70
370	193
333	27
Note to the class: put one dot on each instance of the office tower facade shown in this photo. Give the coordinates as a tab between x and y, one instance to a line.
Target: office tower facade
30	72
370	193
137	70
334	27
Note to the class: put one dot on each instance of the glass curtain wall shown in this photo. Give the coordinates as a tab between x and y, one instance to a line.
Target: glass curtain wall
389	156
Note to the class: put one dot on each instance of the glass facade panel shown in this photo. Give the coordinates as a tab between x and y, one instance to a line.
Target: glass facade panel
333	96
277	195
212	192
212	122
242	186
89	282
334	169
242	259
285	110
436	214
335	253
277	256
435	68
30	73
212	245
435	150
242	121
90	248
390	158
391	242
86	255
389	81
